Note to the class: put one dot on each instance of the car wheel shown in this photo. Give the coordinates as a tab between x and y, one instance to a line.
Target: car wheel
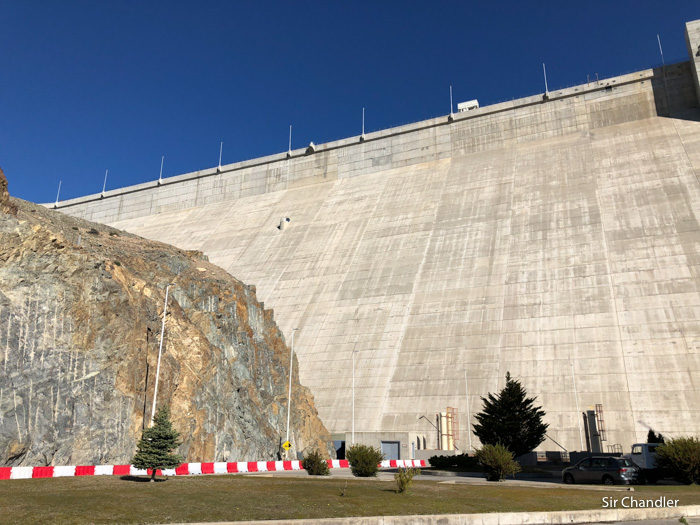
568	479
607	480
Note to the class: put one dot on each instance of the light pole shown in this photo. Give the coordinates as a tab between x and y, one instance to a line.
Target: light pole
362	137
354	351
469	417
104	184
160	352
353	394
578	410
160	177
289	397
58	193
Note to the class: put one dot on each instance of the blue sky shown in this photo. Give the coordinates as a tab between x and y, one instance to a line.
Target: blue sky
95	85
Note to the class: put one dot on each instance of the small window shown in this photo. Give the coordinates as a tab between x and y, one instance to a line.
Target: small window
586	463
637	449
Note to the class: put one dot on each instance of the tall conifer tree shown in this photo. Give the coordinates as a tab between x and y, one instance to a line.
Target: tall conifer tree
154	451
511	419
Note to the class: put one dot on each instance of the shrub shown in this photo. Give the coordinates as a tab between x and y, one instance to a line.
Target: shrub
497	461
364	460
403	478
461	462
441	462
681	457
315	465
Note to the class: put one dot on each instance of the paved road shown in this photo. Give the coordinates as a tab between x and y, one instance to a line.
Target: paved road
388	475
691	521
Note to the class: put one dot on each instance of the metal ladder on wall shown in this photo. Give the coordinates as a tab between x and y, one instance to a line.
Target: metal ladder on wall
600	421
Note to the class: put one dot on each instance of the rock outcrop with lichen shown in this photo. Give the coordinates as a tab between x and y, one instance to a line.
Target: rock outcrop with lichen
80	323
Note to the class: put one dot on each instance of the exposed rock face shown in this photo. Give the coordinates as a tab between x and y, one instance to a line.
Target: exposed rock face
80	321
5	205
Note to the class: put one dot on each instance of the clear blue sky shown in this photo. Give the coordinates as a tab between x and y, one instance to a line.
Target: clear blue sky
90	85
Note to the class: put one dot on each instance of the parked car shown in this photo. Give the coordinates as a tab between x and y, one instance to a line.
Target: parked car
601	469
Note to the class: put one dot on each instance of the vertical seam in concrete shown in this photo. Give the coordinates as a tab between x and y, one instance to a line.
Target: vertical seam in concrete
614	304
370	216
358	244
690	207
505	276
303	239
409	304
252	242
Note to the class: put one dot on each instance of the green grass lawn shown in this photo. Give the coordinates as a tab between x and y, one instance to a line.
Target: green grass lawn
229	498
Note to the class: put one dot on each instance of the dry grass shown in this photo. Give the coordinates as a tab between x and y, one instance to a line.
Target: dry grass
229	498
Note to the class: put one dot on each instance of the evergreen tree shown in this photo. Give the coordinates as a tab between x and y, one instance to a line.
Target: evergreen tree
510	419
653	437
154	451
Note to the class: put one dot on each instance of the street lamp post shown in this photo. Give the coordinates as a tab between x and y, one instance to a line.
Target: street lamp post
353	395
160	352
289	397
578	410
469	416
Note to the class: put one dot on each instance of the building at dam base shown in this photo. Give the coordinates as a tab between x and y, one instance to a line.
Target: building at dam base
554	237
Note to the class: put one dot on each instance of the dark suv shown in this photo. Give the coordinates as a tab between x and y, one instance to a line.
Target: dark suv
601	469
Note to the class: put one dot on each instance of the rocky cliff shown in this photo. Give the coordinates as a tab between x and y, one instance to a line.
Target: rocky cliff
80	322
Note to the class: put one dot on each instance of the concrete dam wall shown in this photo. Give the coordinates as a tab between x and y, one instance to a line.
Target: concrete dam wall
554	237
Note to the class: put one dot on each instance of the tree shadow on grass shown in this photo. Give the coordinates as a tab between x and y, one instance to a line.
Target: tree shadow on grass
141	479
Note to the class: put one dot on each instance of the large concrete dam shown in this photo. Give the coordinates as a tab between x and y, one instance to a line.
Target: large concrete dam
554	237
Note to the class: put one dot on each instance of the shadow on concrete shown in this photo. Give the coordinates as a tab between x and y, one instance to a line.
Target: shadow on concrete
674	92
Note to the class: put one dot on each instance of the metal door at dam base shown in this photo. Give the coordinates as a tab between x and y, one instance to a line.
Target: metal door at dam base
390	449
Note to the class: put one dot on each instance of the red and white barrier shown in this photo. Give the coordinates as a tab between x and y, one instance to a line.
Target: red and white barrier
186	469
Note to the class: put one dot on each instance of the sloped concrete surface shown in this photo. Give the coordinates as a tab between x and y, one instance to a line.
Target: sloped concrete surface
555	239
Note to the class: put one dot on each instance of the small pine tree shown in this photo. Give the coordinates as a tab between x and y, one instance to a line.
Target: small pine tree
510	419
653	437
154	451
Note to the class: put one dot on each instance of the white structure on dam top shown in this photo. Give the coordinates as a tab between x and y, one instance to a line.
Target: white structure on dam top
553	237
